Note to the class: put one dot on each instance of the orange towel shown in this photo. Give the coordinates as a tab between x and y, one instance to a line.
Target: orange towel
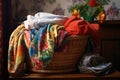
77	26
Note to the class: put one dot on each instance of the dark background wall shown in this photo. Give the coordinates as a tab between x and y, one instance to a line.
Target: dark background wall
5	35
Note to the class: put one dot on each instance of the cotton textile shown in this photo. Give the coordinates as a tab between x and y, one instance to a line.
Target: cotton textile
34	47
42	18
77	26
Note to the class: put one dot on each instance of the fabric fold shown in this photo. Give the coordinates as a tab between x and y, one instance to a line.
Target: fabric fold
77	26
15	51
33	48
42	46
42	18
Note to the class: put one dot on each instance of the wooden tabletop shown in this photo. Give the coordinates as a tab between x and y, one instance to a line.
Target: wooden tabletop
86	76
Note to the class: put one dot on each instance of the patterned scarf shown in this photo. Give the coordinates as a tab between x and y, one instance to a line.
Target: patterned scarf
45	41
35	47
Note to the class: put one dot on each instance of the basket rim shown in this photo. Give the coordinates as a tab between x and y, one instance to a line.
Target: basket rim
53	71
78	36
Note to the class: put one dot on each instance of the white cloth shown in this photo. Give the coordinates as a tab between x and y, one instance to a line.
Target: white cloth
42	18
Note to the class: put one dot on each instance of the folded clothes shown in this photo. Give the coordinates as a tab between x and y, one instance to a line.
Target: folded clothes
95	64
101	66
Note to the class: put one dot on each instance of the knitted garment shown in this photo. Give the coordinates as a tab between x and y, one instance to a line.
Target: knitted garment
33	47
77	26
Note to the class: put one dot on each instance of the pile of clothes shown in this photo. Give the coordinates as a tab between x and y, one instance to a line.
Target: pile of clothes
35	41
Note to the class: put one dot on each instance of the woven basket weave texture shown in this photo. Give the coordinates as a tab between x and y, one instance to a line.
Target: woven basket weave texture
67	60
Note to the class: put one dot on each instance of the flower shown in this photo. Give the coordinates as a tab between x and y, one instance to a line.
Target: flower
93	3
101	17
76	13
90	9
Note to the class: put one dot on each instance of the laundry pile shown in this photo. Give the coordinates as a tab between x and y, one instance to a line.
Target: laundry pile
33	43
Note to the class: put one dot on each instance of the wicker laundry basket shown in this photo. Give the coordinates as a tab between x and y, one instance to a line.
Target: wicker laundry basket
67	60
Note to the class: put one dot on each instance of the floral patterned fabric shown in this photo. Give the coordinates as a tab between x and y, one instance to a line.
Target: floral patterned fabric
36	47
45	41
16	51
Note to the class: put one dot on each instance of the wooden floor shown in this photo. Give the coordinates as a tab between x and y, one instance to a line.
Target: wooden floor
69	76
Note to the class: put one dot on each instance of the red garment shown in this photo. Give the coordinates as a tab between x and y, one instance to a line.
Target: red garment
77	26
